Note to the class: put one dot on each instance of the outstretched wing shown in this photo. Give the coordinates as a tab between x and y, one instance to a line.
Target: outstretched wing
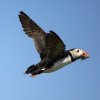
55	45
34	32
46	44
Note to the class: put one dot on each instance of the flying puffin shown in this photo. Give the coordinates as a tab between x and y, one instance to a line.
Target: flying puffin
50	47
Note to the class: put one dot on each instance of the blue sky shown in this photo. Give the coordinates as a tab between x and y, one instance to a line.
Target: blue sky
77	22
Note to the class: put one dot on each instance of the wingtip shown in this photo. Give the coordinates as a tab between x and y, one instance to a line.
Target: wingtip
51	31
21	12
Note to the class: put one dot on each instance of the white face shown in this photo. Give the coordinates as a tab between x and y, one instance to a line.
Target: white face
79	53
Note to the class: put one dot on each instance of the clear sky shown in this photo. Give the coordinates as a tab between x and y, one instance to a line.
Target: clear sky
77	22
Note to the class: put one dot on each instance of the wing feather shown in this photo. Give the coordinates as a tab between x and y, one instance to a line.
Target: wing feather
55	45
46	44
33	31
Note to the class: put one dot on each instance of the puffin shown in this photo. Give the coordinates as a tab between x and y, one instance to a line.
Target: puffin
51	48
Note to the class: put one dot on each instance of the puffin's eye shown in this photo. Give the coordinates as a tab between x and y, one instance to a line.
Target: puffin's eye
77	51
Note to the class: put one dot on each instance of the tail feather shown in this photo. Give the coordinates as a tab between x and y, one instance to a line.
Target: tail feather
30	69
33	70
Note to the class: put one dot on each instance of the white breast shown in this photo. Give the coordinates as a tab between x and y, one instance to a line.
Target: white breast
59	64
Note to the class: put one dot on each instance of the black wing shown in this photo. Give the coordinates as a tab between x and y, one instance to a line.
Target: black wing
34	32
55	45
46	44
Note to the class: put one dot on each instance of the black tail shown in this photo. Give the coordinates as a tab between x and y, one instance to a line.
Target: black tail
30	69
33	70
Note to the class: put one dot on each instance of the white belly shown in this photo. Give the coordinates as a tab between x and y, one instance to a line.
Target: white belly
59	64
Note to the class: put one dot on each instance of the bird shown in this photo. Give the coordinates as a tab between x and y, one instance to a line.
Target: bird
51	48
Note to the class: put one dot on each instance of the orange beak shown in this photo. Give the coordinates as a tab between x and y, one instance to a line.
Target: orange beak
85	55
